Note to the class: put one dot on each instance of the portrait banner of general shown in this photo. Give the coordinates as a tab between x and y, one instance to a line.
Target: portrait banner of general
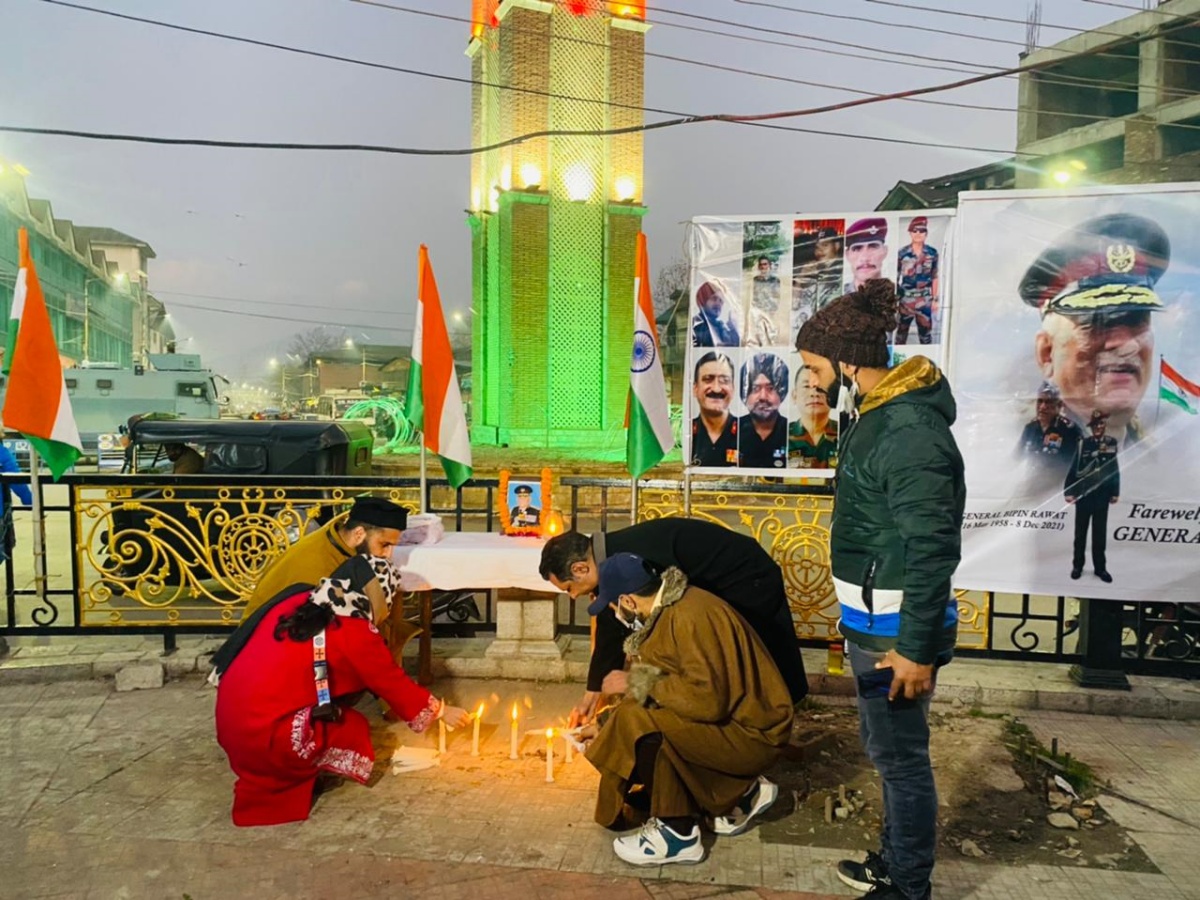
1075	359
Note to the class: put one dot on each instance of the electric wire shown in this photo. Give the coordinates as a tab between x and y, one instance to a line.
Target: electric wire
941	10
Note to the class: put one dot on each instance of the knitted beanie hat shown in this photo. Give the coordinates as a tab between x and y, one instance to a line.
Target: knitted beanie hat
854	329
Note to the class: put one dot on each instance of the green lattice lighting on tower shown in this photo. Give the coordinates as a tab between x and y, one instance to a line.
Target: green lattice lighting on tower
554	220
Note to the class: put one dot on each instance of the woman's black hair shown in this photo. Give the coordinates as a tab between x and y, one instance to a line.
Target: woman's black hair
308	620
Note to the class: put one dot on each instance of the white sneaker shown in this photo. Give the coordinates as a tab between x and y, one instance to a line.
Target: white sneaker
656	845
739	820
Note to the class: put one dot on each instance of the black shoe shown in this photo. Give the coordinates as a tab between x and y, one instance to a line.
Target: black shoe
1103	575
1076	572
867	875
891	892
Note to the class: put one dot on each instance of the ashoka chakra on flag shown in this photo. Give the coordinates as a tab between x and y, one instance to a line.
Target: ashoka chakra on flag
643	352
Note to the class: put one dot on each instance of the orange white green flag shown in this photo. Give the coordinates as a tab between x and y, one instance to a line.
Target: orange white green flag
35	401
1176	389
650	436
433	403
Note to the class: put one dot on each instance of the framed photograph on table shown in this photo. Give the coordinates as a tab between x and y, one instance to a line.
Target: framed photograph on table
525	503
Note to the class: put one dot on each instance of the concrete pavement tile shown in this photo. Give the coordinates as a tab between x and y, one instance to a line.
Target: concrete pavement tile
42	671
74	812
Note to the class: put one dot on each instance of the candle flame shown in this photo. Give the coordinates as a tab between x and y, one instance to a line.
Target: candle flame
514	712
479	712
549	733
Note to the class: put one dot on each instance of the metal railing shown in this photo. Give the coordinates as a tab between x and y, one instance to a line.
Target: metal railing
179	554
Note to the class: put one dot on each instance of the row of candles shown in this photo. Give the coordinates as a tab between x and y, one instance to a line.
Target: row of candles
514	739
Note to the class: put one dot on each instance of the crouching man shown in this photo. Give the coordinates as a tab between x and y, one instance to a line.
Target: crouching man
705	713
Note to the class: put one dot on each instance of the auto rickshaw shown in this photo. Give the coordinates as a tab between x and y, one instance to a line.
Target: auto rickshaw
231	449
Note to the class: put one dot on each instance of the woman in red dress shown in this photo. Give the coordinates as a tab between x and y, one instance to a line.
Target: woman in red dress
279	719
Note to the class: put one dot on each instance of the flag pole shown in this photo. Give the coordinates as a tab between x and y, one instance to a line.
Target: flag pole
39	528
423	488
1158	398
633	500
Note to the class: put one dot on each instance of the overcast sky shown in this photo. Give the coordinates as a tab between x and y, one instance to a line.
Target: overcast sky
332	237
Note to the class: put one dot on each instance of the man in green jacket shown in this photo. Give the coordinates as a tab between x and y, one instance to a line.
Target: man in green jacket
895	542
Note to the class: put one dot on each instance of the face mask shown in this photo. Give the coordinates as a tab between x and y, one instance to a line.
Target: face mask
634	625
842	393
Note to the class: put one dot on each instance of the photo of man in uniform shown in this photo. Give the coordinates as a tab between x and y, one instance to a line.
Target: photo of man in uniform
1093	484
917	284
866	249
762	433
524	515
766	285
816	269
762	330
714	430
714	325
812	436
1094	288
1050	437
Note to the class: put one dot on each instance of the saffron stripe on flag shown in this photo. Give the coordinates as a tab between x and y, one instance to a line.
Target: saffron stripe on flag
1188	387
36	403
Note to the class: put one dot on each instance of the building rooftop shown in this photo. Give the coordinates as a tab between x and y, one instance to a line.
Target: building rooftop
99	234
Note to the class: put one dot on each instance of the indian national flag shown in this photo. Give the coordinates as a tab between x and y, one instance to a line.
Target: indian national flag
433	403
649	438
36	402
1174	388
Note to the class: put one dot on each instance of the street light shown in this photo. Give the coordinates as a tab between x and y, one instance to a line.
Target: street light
350	346
274	363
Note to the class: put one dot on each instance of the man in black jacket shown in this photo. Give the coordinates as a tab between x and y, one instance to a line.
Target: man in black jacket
733	566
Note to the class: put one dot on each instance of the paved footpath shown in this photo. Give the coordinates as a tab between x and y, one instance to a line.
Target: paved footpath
126	795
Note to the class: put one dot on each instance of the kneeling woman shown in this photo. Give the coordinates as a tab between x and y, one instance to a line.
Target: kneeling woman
287	680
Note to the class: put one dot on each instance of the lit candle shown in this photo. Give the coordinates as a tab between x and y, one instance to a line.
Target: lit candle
475	734
512	750
549	754
441	735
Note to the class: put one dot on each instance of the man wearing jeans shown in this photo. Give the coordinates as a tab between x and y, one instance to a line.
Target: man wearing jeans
895	542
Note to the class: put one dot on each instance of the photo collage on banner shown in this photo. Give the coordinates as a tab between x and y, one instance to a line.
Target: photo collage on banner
755	282
1075	360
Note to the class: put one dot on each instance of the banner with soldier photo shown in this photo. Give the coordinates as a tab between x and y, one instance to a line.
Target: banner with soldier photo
1075	361
754	281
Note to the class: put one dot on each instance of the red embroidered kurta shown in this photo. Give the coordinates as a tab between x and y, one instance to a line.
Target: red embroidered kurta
264	723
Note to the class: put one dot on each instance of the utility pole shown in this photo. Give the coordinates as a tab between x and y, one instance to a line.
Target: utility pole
87	310
145	323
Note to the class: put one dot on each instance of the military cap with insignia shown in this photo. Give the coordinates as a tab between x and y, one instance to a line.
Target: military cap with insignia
523	489
1103	265
1098	418
919	222
864	231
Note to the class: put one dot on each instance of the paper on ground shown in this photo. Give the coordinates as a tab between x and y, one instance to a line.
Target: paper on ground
414	759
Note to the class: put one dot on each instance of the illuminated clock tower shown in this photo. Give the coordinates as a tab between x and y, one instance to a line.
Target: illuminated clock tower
554	219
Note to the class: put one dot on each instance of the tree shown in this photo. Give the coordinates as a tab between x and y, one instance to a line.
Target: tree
671	285
315	341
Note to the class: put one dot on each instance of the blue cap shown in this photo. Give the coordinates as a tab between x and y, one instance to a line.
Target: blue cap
621	573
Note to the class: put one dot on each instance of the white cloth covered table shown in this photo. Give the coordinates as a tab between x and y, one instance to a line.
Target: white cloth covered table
472	560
